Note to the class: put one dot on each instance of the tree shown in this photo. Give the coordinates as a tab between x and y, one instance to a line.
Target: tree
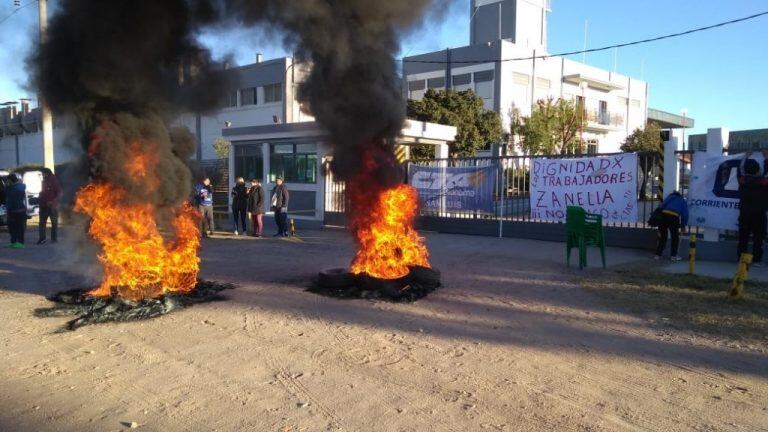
221	147
552	128
647	143
476	126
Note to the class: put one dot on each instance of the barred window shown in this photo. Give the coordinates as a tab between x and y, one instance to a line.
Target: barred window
416	85
462	79
436	82
483	76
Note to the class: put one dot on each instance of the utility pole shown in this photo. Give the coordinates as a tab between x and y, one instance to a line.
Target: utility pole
47	119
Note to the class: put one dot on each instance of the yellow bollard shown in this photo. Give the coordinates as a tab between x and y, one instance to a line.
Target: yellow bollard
692	254
737	289
293	228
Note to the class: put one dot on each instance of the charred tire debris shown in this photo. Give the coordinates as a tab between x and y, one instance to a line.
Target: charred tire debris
340	283
93	310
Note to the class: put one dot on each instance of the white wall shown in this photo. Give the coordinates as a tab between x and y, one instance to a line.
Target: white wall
66	148
531	24
524	82
212	124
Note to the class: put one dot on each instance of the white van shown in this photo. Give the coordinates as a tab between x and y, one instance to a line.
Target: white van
3	184
33	180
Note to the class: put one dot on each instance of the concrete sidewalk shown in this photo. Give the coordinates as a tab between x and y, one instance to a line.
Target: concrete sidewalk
555	252
718	269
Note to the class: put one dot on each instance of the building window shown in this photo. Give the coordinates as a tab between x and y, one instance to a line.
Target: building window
543	84
462	79
591	147
635	103
296	163
520	78
249	163
436	83
231	99
483	76
248	96
273	93
416	85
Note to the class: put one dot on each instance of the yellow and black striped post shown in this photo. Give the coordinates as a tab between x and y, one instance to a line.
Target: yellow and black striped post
293	228
401	153
737	289
692	254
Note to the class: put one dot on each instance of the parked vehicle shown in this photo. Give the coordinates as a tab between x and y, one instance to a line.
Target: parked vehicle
33	179
3	184
34	183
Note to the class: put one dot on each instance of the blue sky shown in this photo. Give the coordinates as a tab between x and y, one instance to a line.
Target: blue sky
718	75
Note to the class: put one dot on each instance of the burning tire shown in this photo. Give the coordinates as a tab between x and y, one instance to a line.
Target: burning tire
425	276
334	278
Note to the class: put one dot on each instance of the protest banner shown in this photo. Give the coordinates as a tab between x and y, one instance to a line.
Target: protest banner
713	200
454	188
604	185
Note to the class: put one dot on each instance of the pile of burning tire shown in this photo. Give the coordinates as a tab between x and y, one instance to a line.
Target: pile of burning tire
340	282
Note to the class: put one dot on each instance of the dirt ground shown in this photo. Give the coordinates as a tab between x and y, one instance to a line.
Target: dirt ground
510	343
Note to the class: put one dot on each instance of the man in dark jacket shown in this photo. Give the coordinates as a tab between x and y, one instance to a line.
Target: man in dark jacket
752	208
49	206
204	195
280	199
674	217
16	207
240	204
256	207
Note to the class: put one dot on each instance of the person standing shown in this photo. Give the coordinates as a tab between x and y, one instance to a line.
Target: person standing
256	207
16	208
752	208
280	197
204	193
50	195
240	204
674	217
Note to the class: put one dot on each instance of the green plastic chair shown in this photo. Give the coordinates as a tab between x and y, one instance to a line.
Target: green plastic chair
583	230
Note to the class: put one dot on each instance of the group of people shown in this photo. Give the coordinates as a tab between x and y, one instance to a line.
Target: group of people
246	198
16	208
753	210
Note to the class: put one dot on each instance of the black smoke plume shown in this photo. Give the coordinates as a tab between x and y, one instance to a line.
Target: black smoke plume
123	68
116	65
352	88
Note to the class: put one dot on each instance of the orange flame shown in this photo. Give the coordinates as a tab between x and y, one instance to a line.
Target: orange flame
390	243
139	261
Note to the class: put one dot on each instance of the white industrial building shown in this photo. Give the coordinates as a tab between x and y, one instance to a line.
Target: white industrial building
515	32
264	93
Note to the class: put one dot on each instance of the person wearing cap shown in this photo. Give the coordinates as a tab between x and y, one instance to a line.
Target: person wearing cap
674	217
16	207
752	208
280	197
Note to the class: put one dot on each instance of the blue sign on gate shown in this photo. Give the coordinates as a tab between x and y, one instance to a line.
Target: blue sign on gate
454	188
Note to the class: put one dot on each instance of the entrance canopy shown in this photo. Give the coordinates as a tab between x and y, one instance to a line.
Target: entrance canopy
414	132
667	120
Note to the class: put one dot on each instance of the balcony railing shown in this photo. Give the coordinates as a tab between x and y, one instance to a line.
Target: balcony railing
604	118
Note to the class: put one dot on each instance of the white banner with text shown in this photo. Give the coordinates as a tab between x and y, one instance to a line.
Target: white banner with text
604	185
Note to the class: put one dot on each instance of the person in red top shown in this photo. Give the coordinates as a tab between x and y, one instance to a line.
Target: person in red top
50	195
